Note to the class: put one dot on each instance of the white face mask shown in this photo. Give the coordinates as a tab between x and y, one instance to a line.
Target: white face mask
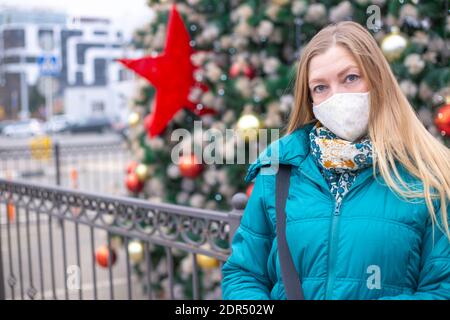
345	114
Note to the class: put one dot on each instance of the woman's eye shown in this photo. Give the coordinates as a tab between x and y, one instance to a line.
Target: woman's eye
319	88
352	77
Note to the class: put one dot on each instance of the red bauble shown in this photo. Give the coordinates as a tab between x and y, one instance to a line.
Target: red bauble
442	119
133	183
102	256
249	189
148	119
189	166
249	72
237	69
131	166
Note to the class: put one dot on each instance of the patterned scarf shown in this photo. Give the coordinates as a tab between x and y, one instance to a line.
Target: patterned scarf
339	160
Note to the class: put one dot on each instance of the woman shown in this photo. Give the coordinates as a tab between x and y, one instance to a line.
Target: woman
367	212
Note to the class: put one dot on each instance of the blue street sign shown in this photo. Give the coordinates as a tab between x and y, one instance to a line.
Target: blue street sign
48	65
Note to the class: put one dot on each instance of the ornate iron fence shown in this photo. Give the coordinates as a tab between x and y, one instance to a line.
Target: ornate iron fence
60	245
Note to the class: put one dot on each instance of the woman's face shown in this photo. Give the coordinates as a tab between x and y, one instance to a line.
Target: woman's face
334	71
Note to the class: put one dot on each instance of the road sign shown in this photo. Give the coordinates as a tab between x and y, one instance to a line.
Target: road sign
41	148
48	65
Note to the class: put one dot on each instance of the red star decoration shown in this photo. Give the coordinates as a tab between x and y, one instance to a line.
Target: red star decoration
171	73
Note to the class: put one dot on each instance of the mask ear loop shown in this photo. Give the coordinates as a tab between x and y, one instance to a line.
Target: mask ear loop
312	105
310	100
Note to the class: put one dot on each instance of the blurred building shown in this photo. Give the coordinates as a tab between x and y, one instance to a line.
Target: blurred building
25	35
53	63
95	84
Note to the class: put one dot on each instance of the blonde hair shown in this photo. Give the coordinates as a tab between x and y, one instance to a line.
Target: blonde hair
394	128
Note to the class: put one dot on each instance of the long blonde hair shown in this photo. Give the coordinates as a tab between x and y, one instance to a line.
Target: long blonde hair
396	132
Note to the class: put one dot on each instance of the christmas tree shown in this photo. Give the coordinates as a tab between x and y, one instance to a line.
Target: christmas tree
244	55
233	67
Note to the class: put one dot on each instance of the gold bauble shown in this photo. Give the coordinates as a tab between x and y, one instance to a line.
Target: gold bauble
207	262
280	2
133	119
248	126
136	251
393	45
142	172
116	242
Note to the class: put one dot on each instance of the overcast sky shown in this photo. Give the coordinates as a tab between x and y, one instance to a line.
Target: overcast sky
127	13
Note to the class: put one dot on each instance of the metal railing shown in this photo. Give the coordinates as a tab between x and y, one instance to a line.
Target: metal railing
49	239
90	167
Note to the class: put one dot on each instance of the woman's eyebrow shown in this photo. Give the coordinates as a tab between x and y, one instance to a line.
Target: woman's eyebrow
316	80
342	72
345	70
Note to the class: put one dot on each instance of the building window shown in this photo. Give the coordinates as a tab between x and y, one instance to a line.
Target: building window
80	54
17	59
14	38
79	79
98	107
100	33
46	40
123	75
100	72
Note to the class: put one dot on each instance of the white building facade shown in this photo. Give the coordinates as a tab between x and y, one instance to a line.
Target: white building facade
88	83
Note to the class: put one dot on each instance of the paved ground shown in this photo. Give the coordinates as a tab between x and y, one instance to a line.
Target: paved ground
33	274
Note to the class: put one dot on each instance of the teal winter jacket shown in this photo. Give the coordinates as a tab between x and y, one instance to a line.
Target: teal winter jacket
376	246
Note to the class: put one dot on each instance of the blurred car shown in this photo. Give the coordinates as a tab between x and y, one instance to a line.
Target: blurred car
94	124
24	128
5	123
58	124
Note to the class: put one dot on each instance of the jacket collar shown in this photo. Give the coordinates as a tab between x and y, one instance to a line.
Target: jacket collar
309	168
294	149
290	149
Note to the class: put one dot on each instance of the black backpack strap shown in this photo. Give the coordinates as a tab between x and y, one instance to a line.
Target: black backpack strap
292	284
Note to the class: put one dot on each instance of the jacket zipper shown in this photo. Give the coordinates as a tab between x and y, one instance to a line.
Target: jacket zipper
332	250
332	245
333	241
